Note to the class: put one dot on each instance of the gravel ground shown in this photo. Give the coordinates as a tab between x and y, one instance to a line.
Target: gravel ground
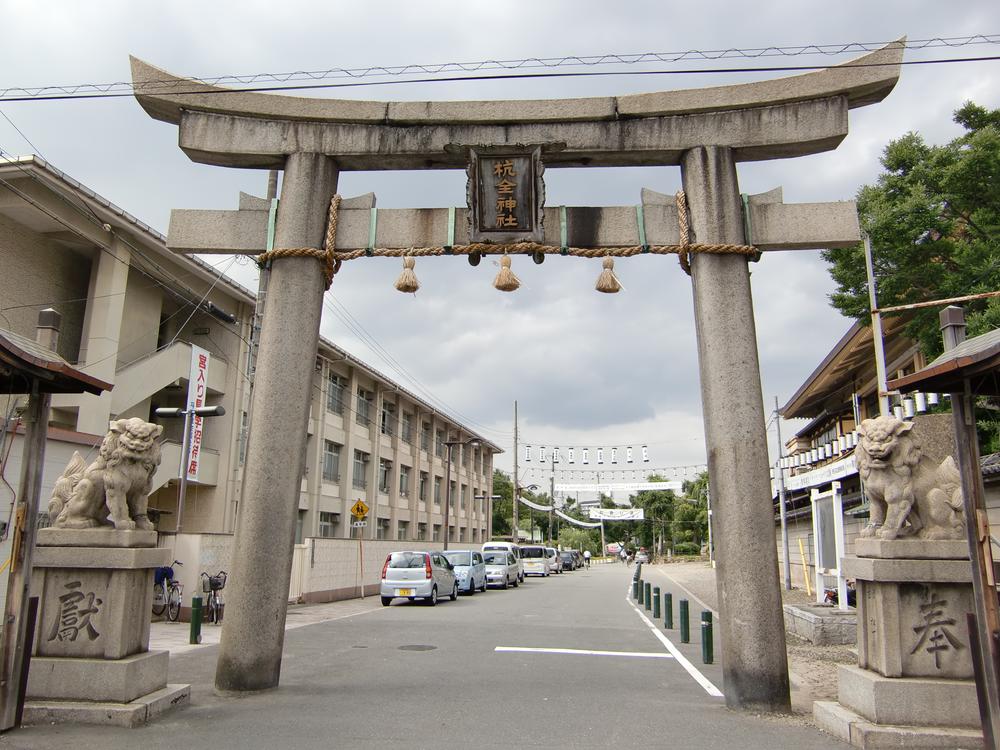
812	669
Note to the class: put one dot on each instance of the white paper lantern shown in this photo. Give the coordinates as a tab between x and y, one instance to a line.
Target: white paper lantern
921	399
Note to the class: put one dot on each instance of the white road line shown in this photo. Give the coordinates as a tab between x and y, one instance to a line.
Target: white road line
691	668
585	652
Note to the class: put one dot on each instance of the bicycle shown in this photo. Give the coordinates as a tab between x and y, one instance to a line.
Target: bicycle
214	606
168	592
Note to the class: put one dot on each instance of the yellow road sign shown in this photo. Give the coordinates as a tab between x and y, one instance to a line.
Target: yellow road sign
359	510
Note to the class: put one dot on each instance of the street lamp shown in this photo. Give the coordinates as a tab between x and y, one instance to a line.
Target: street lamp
488	510
474	442
531	514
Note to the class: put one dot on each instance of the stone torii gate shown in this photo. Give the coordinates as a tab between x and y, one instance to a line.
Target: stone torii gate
704	131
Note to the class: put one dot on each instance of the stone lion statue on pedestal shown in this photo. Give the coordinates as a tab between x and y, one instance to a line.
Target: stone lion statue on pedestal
115	488
910	495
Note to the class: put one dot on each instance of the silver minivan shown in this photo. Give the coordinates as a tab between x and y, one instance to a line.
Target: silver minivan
417	575
514	549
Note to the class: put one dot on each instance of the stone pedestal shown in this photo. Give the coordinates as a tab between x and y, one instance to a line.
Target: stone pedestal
913	686
91	661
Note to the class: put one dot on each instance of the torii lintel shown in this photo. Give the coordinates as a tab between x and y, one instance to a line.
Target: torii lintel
779	118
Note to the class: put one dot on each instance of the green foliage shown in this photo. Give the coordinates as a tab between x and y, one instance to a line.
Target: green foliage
581	539
687	548
934	221
503	508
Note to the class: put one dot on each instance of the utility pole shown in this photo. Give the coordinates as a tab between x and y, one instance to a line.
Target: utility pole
552	494
516	490
785	564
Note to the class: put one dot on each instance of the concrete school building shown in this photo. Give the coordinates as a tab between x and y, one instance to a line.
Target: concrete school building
132	315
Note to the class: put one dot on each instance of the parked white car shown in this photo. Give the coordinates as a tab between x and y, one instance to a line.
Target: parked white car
555	562
501	568
514	550
470	569
536	560
417	575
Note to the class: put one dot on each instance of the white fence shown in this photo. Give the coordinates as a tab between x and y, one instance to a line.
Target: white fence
323	570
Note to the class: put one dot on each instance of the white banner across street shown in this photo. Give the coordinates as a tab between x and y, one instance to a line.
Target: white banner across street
617	514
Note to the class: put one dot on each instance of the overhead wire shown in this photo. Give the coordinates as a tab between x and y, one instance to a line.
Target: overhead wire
436	70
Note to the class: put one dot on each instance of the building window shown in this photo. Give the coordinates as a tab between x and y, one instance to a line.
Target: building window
461	535
439	443
402	530
478	460
404	481
382	532
331	461
422	487
406	427
425	436
437	490
360	481
437	533
327	524
421	532
464	496
387	419
384	472
364	410
335	393
451	495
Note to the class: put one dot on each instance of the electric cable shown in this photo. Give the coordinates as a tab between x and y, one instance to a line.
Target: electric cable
127	88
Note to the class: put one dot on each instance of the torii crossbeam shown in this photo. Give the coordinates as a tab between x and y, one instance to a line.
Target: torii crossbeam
704	131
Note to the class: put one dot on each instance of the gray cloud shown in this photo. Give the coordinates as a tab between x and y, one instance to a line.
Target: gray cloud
585	368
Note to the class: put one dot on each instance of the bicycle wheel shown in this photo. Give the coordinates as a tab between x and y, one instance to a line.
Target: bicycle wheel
174	604
159	599
210	609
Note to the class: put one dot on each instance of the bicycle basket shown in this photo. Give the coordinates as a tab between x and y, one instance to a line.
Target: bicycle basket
213	583
163	574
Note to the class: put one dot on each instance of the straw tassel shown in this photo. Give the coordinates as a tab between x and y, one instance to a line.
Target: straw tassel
506	281
407	281
607	282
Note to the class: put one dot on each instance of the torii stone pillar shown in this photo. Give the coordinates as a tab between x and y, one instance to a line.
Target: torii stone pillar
704	131
755	669
253	632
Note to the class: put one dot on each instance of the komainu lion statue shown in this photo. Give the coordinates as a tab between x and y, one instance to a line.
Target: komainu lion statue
910	495
115	488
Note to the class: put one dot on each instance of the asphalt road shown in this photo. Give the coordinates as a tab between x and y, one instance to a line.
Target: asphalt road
454	676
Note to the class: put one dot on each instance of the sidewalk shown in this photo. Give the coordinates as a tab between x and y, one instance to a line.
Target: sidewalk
812	670
175	636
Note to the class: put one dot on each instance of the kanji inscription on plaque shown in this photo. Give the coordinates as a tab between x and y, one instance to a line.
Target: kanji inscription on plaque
505	195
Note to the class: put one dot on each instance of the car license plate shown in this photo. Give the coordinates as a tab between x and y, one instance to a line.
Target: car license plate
404	592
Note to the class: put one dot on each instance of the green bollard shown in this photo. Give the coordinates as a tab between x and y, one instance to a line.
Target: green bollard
195	620
684	623
635	589
707	650
668	615
641	585
656	602
649	597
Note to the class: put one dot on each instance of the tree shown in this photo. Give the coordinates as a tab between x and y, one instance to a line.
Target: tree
690	520
581	539
658	508
934	221
503	509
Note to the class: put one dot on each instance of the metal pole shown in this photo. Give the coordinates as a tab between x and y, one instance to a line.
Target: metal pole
185	459
885	409
604	546
552	495
786	566
447	493
516	492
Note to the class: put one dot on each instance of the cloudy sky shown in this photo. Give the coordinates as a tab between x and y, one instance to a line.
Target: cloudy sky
585	368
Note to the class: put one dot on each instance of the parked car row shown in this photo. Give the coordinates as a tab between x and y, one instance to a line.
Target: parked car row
429	575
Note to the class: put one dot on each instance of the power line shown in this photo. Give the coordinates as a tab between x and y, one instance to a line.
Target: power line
164	87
